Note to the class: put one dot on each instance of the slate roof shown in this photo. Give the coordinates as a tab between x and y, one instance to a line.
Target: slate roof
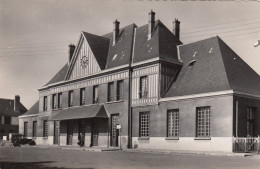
81	112
216	68
7	108
120	53
99	46
60	76
162	44
33	110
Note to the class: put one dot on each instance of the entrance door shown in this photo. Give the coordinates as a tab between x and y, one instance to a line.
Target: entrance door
81	136
69	132
56	132
114	131
94	133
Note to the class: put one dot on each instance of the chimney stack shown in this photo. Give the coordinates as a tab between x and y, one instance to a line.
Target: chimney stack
115	31
17	103
151	22
176	28
71	51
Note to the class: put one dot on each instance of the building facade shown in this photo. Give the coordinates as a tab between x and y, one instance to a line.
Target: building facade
143	84
10	109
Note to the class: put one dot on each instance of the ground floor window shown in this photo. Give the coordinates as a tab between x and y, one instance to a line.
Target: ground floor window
144	124
45	128
34	129
203	122
250	121
173	123
25	133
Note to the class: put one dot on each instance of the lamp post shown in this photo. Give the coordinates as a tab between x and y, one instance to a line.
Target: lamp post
257	43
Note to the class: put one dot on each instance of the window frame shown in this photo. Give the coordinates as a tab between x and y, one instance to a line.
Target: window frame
54	101
202	132
45	105
34	129
59	101
119	92
143	90
174	133
110	91
144	124
82	96
25	129
70	100
45	128
95	94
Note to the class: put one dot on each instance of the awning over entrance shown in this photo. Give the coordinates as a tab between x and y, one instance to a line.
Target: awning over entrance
81	113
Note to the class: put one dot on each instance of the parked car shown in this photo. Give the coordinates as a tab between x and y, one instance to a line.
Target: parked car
18	140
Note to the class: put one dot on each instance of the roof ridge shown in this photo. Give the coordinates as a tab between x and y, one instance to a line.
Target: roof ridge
222	59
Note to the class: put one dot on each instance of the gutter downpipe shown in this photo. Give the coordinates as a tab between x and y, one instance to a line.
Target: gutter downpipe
130	95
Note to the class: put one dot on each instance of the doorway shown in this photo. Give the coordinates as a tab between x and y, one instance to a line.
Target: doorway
114	130
56	132
95	132
69	132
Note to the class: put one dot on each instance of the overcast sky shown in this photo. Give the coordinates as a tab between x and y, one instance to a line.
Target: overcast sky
34	35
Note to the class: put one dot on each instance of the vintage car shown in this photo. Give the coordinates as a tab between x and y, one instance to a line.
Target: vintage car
18	140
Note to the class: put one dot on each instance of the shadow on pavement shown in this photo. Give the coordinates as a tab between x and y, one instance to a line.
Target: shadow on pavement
27	165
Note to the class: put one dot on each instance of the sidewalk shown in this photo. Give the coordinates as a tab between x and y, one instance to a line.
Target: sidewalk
69	147
183	152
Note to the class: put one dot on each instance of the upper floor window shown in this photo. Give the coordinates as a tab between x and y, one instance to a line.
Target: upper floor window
95	94
203	122
70	98
173	123
119	90
143	93
144	124
45	103
54	101
82	96
110	91
59	100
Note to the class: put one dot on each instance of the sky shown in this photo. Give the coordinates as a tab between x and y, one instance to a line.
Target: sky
35	34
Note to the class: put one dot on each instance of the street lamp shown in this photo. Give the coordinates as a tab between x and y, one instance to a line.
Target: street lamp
257	43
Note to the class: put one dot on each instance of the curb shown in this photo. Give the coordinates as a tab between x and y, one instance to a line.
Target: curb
193	153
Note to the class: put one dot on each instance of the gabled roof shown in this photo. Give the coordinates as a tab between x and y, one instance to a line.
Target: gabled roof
120	53
162	44
33	110
7	108
99	46
60	76
209	66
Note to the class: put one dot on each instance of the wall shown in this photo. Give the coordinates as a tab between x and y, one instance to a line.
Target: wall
221	117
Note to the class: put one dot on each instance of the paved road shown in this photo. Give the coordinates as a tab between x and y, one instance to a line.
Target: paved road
33	158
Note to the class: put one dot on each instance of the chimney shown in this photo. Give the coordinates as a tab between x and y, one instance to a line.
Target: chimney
71	51
176	28
151	21
115	31
17	103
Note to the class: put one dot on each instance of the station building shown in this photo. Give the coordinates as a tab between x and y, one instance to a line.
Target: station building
162	94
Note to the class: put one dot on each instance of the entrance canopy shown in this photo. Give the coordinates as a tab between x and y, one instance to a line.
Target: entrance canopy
81	113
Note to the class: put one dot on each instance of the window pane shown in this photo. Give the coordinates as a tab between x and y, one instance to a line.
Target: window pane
95	94
144	124
82	96
173	123
59	100
120	90
25	129
45	128
143	87
203	122
34	128
110	91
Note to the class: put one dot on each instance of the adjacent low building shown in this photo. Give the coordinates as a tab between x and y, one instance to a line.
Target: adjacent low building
143	84
10	109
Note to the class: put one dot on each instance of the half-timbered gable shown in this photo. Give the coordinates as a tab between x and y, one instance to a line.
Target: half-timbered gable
89	56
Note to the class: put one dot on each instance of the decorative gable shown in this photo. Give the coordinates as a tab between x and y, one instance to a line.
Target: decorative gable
83	62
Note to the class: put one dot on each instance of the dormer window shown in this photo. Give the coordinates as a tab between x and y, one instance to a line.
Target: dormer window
191	63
